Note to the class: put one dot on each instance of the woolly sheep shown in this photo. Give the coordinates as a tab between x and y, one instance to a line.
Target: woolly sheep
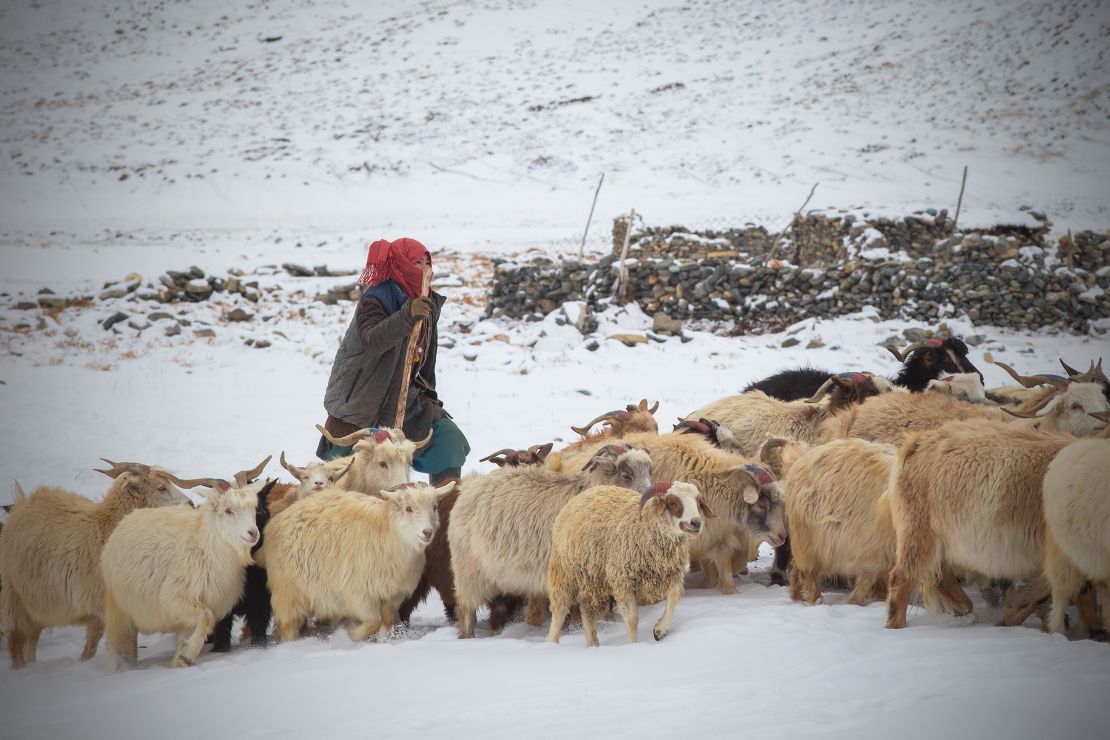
340	554
889	418
500	533
50	555
606	545
176	570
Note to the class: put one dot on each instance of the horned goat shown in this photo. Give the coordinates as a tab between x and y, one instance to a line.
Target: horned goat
500	534
50	555
382	458
751	417
605	545
177	569
341	554
312	478
921	362
964	387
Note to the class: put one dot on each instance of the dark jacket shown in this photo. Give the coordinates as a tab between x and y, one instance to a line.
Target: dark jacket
366	373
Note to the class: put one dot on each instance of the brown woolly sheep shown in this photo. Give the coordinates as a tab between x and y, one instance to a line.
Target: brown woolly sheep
500	534
50	555
605	545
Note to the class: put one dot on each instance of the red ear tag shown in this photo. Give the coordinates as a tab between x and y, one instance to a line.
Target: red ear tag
859	378
936	343
381	436
762	477
660	488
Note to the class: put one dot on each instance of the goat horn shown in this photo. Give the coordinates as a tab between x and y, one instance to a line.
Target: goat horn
119	468
541	451
822	391
297	472
489	458
654	408
346	441
216	483
1030	413
424	442
584	431
908	350
1101	415
1068	368
1030	381
243	476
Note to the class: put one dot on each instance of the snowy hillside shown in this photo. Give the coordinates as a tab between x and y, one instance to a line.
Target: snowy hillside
144	136
496	118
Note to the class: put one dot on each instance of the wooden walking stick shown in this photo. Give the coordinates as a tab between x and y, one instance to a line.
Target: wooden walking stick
410	353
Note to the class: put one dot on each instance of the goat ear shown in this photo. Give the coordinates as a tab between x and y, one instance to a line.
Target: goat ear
446	488
705	510
750	495
342	471
388	495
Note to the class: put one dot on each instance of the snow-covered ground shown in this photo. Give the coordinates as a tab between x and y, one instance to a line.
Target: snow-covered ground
146	136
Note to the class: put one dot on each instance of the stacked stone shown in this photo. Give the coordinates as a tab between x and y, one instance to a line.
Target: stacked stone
996	280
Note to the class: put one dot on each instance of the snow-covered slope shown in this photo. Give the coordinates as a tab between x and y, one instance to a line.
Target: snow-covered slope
204	114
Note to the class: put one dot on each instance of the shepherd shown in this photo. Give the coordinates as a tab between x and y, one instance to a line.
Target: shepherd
389	350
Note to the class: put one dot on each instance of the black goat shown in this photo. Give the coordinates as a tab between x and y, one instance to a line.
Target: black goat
254	605
922	362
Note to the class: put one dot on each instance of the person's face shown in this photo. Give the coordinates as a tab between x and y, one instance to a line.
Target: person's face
424	262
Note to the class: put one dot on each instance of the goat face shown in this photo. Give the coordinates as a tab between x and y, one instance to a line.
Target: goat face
965	387
765	519
415	511
233	513
1075	405
387	462
621	465
952	357
154	490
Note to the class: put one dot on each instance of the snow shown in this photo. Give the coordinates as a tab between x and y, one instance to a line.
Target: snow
453	123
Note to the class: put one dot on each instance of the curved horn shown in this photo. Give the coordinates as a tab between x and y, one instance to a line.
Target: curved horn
1032	412
653	409
908	350
489	458
216	483
1068	368
297	473
119	468
346	441
1101	415
425	442
1030	381
822	391
584	431
243	476
541	451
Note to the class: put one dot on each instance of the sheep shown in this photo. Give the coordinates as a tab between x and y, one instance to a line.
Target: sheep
922	362
500	533
382	458
50	555
175	570
839	514
747	498
967	496
312	478
750	417
341	554
605	546
1077	515
534	455
965	387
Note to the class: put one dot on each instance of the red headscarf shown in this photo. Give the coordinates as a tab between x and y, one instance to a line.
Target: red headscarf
396	261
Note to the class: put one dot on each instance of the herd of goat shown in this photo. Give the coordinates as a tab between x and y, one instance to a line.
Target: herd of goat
924	483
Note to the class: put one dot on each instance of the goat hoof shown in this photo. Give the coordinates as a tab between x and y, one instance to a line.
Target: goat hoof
221	647
659	634
1099	635
778	579
180	661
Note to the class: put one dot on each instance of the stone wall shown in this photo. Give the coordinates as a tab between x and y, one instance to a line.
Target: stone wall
912	268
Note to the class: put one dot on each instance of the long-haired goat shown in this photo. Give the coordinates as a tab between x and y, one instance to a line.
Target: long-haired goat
1077	515
312	478
382	458
921	362
50	555
176	569
340	554
500	535
967	496
752	417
